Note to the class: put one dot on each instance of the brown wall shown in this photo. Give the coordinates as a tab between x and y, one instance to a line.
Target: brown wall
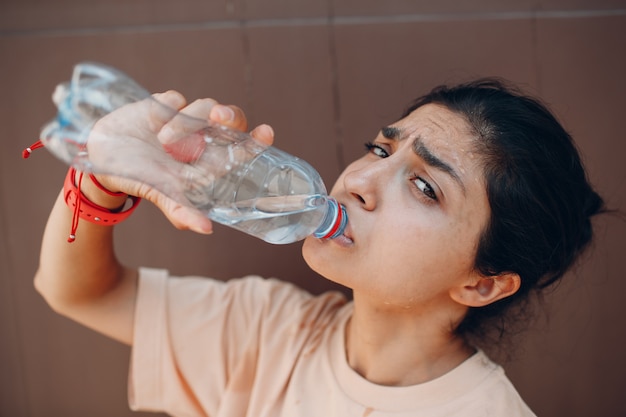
326	75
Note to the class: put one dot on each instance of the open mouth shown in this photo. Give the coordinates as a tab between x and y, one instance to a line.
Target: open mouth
345	238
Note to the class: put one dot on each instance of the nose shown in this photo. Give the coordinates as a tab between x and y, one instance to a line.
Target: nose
364	182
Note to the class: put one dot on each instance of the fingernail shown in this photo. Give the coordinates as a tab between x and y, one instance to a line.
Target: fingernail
263	133
202	228
225	114
203	231
267	130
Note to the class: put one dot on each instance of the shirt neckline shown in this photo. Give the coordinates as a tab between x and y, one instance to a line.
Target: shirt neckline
448	387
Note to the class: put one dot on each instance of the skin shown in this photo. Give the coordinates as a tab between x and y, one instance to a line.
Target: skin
407	252
417	205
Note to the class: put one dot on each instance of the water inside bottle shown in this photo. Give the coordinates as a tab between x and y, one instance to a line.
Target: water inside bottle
280	219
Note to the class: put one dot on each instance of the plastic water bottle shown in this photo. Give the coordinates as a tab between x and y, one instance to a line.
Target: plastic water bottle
224	173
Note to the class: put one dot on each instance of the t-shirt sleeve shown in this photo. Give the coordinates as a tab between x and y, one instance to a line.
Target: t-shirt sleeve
195	338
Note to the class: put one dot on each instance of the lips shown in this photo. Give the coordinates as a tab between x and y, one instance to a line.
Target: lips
346	238
347	233
343	240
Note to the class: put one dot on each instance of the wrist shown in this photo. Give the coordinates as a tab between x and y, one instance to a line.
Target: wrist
95	204
97	194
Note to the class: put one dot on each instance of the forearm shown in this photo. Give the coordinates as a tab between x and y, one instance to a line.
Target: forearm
83	279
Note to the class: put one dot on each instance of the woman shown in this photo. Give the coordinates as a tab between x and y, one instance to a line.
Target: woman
475	198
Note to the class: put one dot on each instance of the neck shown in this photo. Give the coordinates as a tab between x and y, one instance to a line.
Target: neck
394	348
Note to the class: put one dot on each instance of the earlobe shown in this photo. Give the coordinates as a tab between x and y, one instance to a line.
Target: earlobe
486	290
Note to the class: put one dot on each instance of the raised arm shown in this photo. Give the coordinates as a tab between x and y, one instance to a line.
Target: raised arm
84	280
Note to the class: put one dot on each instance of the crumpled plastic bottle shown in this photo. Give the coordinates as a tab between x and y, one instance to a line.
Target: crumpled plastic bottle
109	124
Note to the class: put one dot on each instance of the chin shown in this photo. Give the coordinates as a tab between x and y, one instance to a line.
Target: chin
317	255
310	252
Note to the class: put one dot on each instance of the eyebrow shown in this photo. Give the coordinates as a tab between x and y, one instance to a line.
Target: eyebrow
394	133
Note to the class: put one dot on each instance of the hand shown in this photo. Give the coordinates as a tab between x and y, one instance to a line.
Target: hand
127	132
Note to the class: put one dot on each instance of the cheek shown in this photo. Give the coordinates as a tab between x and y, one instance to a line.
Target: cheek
460	251
429	246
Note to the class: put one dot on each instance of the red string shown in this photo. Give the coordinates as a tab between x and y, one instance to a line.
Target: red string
26	152
76	215
102	188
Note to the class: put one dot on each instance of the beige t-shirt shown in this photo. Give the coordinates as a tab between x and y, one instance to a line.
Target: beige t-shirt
261	347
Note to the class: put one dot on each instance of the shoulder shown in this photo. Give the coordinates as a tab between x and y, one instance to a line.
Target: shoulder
495	392
269	297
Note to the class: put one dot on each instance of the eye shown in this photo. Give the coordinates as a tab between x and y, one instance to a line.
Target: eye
376	149
425	188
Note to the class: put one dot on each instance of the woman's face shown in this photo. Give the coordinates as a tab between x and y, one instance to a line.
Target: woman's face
416	204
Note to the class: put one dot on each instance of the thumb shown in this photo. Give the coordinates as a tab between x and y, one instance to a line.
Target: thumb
182	217
186	218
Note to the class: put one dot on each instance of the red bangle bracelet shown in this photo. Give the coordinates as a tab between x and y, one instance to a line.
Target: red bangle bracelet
89	211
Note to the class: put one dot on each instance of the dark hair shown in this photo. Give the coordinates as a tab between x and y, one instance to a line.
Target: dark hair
540	198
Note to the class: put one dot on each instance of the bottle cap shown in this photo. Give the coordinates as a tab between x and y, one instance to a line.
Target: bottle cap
335	221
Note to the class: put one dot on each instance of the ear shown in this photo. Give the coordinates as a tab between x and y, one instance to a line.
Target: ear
486	290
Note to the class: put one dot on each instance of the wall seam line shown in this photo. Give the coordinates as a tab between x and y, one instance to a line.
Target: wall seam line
318	21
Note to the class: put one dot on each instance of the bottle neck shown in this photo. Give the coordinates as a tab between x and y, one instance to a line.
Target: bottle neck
334	222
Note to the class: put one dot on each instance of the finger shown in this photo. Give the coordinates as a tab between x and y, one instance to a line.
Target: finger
189	120
181	137
263	134
229	116
186	218
182	217
163	107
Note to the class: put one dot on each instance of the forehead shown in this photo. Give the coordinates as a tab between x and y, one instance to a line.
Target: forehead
434	121
447	134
